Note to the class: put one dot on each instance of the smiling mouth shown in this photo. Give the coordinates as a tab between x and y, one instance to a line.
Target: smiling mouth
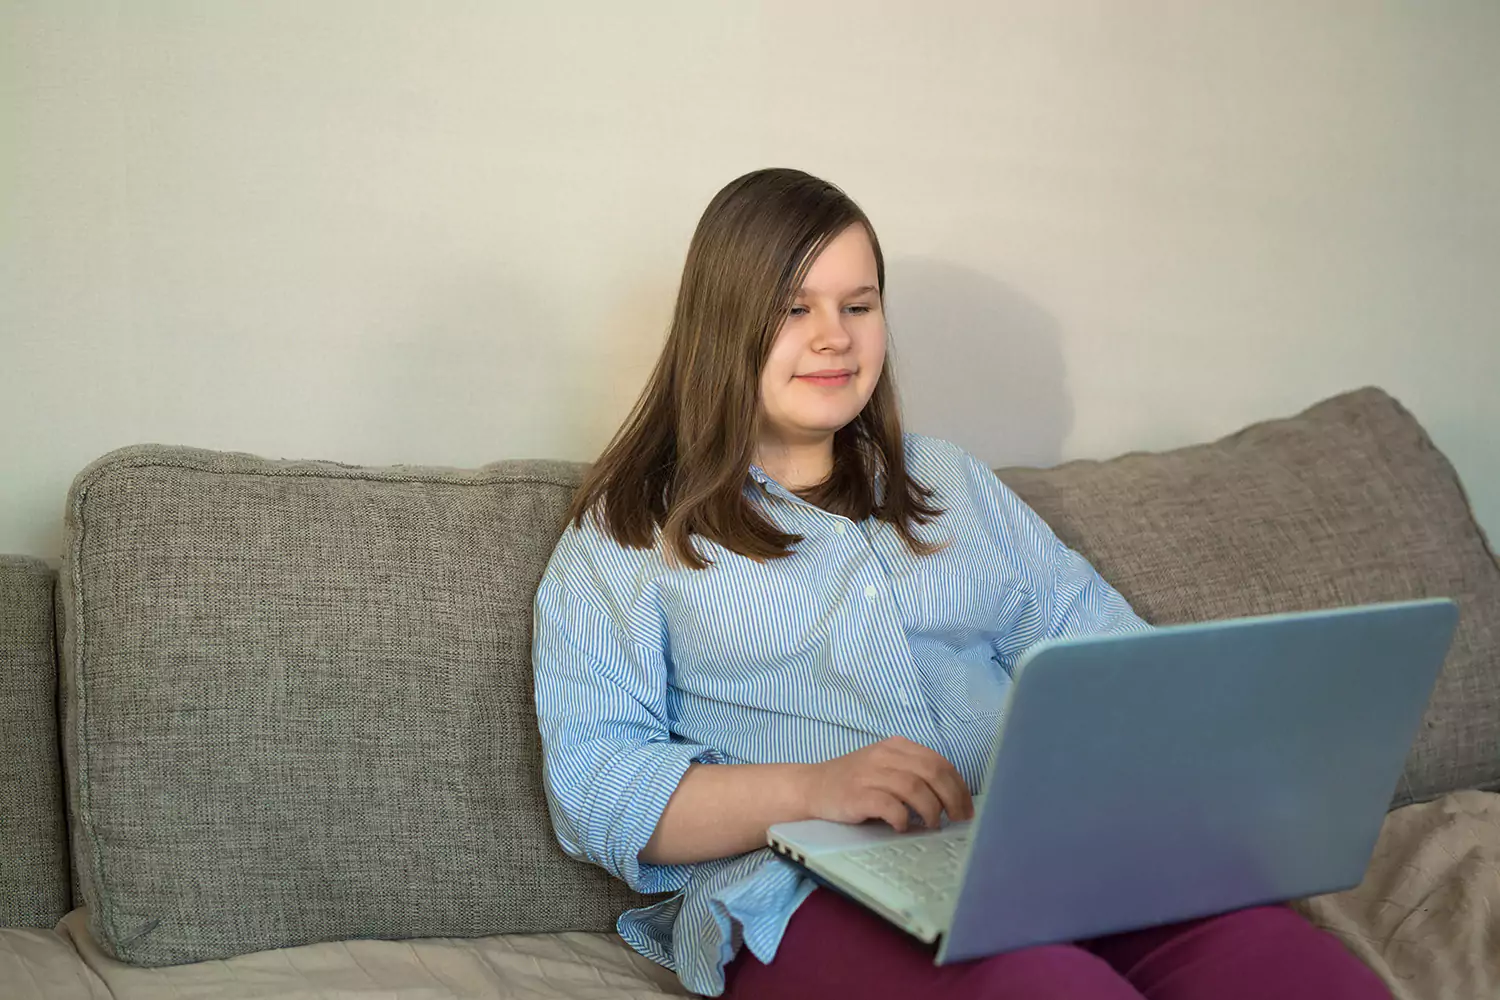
830	379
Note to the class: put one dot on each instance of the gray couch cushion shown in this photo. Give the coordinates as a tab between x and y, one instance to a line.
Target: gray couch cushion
1347	502
300	704
34	889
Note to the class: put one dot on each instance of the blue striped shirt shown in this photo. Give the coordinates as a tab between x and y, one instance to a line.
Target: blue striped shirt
643	668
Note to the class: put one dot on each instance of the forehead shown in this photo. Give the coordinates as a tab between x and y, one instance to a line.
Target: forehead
846	263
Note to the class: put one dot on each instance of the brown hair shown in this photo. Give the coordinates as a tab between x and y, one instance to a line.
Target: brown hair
681	459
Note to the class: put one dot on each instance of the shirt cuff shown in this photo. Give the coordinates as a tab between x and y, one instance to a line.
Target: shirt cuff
659	770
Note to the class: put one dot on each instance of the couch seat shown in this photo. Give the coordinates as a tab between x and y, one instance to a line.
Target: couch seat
1426	918
66	964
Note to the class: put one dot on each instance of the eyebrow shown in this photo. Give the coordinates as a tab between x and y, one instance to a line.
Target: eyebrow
861	290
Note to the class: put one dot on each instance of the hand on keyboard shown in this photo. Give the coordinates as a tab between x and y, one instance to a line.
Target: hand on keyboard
888	780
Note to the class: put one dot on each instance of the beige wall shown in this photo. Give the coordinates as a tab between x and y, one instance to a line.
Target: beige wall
450	232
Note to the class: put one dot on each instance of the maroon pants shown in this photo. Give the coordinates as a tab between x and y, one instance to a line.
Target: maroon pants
835	948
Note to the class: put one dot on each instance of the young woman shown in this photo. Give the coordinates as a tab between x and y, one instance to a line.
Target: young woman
770	604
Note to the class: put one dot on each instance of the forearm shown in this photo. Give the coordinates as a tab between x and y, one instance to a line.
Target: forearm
719	810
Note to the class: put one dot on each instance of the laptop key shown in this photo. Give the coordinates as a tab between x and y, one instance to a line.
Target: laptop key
926	867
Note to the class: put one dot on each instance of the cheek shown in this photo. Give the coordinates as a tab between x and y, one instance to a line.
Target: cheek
781	363
774	376
768	393
874	347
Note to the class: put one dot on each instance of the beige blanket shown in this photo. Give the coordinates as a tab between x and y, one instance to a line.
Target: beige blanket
1427	915
574	966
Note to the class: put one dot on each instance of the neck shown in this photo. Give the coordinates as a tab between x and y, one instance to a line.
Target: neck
797	466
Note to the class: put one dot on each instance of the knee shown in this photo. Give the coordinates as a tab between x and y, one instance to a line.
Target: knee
1276	929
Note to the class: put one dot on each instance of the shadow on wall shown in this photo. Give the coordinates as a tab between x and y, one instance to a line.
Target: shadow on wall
977	363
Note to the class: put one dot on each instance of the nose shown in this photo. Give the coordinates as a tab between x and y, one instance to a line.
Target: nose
830	334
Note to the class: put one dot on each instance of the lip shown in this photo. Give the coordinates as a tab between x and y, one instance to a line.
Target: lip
828	376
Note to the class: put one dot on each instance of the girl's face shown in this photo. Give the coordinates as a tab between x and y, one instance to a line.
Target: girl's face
828	354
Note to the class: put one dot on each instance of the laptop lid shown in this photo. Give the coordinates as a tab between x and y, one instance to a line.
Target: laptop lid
1193	769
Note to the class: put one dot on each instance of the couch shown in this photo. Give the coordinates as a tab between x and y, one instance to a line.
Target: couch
267	730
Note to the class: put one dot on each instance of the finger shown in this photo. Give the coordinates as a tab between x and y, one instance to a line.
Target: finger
945	780
954	791
950	787
914	790
883	805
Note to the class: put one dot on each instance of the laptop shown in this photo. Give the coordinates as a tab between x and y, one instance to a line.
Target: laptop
1158	776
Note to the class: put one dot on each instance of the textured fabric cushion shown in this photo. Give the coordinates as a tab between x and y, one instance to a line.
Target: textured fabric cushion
34	889
299	704
1347	502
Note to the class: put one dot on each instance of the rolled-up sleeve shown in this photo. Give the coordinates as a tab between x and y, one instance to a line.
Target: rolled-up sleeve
609	759
1068	596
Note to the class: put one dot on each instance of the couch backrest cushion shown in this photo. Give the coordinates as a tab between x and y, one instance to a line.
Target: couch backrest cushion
300	704
34	886
1347	502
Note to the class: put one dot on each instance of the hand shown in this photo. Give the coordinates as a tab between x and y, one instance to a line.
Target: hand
888	780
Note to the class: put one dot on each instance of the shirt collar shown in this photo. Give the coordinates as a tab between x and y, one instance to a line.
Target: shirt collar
772	486
767	484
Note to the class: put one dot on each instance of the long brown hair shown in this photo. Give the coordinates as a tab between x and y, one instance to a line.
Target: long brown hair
681	459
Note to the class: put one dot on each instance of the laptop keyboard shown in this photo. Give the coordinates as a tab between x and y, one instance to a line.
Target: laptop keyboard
925	867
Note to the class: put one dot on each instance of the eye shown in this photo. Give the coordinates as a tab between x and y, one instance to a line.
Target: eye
797	311
859	309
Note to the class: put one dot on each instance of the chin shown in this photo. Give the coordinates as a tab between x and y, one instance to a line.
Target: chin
827	424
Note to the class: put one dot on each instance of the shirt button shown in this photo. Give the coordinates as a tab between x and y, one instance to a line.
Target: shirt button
839	527
870	591
905	697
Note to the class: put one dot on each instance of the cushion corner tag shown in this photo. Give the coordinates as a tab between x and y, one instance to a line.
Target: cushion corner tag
130	930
